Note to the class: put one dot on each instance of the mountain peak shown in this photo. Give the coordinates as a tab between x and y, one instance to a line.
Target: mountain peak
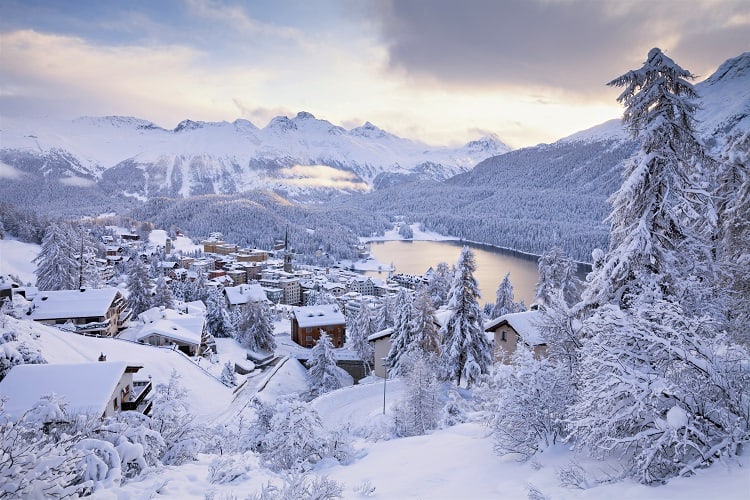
188	125
304	115
369	130
734	68
490	143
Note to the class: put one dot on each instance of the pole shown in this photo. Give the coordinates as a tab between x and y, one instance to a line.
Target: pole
385	380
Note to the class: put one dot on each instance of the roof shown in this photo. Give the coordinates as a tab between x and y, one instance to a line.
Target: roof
325	314
86	387
526	324
170	324
245	293
73	303
381	334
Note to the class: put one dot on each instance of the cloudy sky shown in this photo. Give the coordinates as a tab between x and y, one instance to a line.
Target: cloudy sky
441	71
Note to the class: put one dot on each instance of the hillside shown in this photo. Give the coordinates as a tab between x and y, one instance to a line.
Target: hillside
555	194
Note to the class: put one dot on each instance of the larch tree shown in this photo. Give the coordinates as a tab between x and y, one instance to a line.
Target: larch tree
255	329
163	294
362	328
424	332
56	267
557	273
465	351
658	384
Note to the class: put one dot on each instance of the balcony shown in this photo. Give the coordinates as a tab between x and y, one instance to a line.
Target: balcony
136	400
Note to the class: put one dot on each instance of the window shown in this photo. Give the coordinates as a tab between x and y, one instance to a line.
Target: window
503	336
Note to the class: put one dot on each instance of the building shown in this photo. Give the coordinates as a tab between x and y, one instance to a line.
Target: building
239	296
308	321
168	328
511	329
99	388
381	343
362	284
99	311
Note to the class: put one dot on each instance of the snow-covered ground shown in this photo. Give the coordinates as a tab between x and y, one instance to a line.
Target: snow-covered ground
182	243
16	258
419	235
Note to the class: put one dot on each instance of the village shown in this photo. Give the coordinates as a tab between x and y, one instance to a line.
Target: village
304	300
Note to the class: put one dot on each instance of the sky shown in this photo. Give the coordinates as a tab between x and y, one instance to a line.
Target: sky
439	71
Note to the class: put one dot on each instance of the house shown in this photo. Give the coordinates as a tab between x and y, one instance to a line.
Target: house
362	284
510	329
241	295
98	388
167	327
99	311
381	342
308	321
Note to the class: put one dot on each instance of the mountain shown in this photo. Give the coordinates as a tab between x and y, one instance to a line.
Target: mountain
301	157
555	194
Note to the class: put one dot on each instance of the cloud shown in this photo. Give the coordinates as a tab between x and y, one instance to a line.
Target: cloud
575	46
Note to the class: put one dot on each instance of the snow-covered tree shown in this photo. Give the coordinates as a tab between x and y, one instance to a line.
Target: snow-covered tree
296	438
653	222
384	313
218	322
362	327
139	287
527	407
56	267
465	352
163	294
439	283
322	366
406	232
172	418
661	388
255	329
424	332
15	350
504	299
419	410
657	383
401	338
557	272
228	376
733	195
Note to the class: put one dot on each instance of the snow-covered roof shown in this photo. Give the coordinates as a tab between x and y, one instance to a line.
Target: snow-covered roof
73	303
86	387
326	314
379	335
167	323
524	323
242	294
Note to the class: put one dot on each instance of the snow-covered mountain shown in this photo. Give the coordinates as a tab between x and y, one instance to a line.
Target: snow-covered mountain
296	156
556	194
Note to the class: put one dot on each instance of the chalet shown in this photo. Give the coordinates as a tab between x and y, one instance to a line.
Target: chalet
99	388
167	327
510	329
308	321
99	311
241	295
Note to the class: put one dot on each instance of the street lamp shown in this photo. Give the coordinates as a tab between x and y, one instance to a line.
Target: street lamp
385	379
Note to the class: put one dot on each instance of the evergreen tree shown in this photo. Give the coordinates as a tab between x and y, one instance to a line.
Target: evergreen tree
419	410
56	267
384	318
322	366
401	338
733	195
139	287
556	272
362	327
228	376
255	330
163	294
218	323
504	299
439	284
422	326
465	352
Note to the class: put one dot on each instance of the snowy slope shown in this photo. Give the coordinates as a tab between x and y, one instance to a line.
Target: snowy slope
221	157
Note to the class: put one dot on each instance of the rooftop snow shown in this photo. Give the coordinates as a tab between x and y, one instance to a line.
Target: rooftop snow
73	303
311	316
524	323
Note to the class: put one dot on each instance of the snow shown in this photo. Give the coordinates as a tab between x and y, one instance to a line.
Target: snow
524	323
57	304
86	387
242	294
158	237
419	235
321	315
16	258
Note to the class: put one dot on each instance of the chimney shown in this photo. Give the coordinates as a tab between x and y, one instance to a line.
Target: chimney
102	357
